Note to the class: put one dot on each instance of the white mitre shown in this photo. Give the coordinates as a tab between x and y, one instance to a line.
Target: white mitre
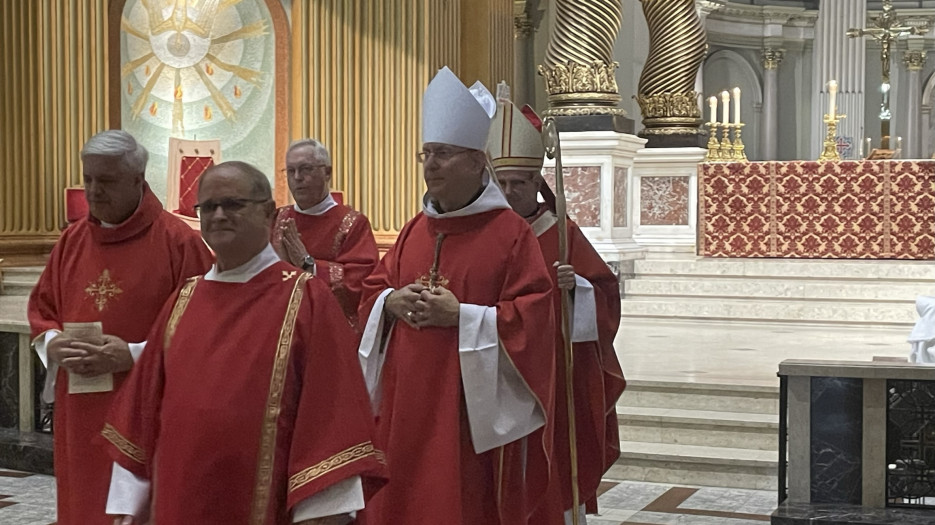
455	114
514	142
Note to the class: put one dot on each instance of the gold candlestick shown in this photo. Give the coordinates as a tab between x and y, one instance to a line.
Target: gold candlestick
727	151
737	148
830	150
714	147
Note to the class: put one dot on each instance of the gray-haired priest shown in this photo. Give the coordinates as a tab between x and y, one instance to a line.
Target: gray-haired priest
249	406
104	285
332	241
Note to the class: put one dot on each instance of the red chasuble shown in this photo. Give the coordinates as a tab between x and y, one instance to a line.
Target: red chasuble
343	246
249	399
121	277
598	380
489	259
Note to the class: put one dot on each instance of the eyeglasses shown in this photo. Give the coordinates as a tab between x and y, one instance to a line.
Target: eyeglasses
306	170
228	205
441	155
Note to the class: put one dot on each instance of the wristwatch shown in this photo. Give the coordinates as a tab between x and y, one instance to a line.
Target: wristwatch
308	264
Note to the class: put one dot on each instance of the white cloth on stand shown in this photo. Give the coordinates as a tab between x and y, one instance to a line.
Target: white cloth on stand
922	337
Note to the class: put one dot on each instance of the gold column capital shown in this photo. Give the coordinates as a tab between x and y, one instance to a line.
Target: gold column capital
573	84
677	47
914	59
772	57
579	67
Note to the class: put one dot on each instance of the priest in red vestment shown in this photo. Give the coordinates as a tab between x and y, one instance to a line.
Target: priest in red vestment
249	407
116	267
332	241
457	345
516	152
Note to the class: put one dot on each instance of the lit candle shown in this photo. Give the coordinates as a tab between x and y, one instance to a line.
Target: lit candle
832	97
725	112
712	103
736	105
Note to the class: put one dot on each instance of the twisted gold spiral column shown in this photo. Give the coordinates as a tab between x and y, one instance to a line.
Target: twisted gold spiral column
579	66
677	47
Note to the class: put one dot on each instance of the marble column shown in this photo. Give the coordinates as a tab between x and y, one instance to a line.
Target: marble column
837	57
769	133
914	59
526	19
705	8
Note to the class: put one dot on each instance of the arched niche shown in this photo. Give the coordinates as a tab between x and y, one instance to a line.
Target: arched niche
928	123
725	69
219	74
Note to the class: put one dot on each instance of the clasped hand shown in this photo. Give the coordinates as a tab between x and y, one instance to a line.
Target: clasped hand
292	249
420	307
89	359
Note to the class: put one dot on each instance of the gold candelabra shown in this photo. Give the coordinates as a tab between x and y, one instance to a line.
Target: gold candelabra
830	149
737	147
725	150
714	147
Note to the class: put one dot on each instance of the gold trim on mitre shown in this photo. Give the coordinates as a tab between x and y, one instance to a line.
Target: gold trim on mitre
514	142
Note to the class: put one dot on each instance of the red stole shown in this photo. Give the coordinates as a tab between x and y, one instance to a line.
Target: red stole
238	419
343	246
490	259
121	277
598	380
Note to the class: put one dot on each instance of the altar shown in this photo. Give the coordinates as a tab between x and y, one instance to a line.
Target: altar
868	209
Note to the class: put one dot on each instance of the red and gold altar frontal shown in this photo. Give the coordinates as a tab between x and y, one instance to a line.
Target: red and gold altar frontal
804	209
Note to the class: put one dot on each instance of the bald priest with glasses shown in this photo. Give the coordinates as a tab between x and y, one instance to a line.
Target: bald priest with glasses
319	235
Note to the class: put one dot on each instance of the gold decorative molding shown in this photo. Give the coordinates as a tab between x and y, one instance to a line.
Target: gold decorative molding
914	59
579	67
772	57
579	89
55	86
677	47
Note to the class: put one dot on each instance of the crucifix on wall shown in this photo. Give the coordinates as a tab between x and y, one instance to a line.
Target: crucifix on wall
888	28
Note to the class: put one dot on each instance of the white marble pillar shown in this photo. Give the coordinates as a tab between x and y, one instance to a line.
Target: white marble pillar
914	59
665	192
838	57
769	133
704	8
526	19
599	181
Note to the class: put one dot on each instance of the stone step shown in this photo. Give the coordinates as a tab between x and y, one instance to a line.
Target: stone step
699	427
695	465
919	271
767	311
17	287
747	399
20	280
779	289
24	272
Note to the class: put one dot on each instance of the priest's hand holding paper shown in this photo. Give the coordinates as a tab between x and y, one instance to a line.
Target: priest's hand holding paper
60	348
110	357
437	308
402	303
566	276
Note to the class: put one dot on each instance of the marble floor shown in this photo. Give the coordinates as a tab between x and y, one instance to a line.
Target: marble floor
29	499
